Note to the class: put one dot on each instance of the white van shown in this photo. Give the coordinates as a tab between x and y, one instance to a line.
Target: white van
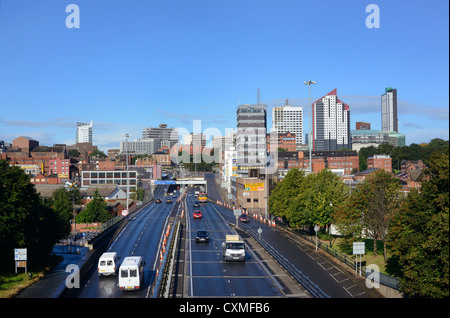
131	273
107	264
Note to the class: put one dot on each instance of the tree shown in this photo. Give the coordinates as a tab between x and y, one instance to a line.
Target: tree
25	221
369	208
62	203
323	191
98	153
307	200
96	210
419	234
285	191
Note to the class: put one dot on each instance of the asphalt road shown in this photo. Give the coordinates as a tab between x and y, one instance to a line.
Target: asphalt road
207	275
331	277
140	237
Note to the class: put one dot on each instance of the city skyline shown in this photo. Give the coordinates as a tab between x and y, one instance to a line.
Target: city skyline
132	66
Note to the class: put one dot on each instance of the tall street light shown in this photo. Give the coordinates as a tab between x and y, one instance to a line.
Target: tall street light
310	140
128	185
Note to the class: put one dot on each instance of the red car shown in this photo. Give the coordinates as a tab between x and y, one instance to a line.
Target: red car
197	214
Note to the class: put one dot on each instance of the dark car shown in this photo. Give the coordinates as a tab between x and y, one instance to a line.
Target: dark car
202	236
196	204
158	201
244	218
168	201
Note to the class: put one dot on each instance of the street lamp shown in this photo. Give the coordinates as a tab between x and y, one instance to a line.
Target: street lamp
310	126
126	143
329	228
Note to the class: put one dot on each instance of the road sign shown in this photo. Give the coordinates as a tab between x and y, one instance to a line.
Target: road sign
358	248
20	258
21	264
124	212
164	182
316	228
20	251
237	212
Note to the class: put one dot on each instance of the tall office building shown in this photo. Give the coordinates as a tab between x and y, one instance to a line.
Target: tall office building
251	138
162	135
288	119
331	123
84	132
389	120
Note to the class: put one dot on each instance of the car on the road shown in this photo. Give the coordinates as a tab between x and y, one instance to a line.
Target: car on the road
158	201
202	236
168	201
196	204
197	214
243	218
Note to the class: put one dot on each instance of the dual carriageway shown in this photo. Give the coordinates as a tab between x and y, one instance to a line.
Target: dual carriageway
198	268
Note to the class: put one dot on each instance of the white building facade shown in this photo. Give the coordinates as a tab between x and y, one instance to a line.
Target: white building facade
84	132
288	119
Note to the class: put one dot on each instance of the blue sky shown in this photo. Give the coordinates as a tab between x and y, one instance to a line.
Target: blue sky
137	63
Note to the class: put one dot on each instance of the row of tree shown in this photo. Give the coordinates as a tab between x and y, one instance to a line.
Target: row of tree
398	154
27	220
414	228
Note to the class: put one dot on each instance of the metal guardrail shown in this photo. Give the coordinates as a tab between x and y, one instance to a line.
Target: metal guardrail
97	231
312	288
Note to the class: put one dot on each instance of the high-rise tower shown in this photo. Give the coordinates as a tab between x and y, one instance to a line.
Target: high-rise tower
331	123
251	137
288	119
84	132
389	120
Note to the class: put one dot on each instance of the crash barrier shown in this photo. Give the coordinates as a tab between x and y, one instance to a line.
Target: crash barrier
166	277
165	255
312	288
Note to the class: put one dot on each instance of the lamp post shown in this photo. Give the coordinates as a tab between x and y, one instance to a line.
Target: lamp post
329	228
310	140
126	143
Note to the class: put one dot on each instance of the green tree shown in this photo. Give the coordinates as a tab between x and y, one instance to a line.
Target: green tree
316	203
98	153
62	203
419	234
285	191
25	221
96	210
369	209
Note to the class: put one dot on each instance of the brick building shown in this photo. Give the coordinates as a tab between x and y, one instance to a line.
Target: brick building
380	162
286	141
26	144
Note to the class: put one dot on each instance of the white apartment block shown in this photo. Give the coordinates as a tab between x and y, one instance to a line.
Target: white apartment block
84	132
331	123
288	119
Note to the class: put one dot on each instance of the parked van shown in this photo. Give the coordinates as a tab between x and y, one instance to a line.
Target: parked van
131	273
107	264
